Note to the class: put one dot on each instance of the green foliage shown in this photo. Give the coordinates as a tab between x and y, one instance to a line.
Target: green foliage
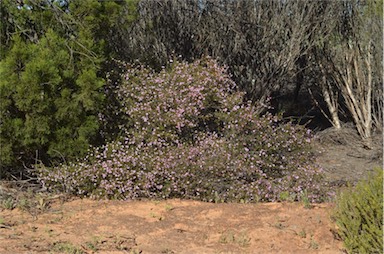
52	93
66	247
104	20
48	105
359	215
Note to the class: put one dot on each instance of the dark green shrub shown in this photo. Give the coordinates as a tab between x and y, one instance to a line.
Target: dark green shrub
359	215
52	85
49	109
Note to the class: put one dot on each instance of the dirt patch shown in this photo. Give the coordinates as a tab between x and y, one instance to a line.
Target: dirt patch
344	158
173	226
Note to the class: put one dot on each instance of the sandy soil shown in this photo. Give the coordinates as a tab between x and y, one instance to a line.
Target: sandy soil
172	226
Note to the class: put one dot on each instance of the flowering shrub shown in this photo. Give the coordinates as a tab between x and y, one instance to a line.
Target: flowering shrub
192	137
176	103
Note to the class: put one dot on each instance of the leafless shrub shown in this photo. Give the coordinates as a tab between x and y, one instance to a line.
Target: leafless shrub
350	64
265	43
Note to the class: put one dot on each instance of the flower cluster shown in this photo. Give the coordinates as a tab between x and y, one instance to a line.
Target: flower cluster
177	101
191	136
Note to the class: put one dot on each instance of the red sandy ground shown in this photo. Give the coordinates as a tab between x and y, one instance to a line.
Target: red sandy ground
172	226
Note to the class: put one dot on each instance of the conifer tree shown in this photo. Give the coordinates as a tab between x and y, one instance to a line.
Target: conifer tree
51	86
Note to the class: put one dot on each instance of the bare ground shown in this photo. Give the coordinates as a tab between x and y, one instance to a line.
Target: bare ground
344	158
76	225
173	226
